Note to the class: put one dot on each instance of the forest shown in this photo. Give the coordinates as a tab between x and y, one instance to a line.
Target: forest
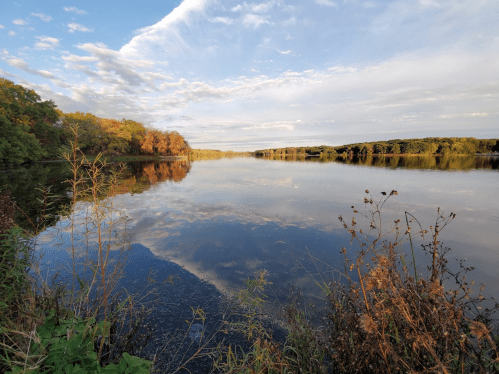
211	154
426	146
34	130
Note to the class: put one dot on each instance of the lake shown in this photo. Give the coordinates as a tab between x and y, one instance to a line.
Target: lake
218	221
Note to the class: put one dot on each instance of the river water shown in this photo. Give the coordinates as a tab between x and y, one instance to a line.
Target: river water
216	222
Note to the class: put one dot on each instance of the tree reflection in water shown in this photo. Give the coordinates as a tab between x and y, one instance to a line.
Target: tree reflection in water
26	185
451	162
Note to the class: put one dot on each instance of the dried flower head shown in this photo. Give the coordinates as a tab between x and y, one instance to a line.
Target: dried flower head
367	324
479	330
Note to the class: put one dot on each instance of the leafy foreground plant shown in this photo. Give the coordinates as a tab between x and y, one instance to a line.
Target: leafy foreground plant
67	346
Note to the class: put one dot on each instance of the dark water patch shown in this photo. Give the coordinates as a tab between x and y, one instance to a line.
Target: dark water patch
175	327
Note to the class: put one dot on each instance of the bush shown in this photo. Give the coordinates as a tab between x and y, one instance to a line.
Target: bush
67	346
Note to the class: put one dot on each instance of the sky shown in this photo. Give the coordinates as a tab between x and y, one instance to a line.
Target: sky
244	75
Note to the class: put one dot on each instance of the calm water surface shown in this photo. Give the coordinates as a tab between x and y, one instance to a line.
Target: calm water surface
214	223
222	220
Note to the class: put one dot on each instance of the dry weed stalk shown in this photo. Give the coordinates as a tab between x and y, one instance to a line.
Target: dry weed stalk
389	320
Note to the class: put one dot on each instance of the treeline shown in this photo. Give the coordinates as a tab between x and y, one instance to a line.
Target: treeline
32	130
211	154
128	137
442	146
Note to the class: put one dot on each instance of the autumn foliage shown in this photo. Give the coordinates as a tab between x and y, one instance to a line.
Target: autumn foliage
32	129
123	137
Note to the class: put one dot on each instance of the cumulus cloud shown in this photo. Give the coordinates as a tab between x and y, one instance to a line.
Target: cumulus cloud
74	10
42	16
12	33
19	22
72	27
46	42
2	26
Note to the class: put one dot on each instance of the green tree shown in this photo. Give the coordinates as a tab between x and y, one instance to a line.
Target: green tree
17	146
23	114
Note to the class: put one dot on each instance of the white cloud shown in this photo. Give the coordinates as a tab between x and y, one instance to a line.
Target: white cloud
75	58
21	64
326	3
72	27
254	20
2	26
224	20
256	8
277	125
465	115
74	10
194	61
42	16
19	22
46	42
12	33
165	33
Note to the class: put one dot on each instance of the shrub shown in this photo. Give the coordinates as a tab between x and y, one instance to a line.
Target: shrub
384	319
67	346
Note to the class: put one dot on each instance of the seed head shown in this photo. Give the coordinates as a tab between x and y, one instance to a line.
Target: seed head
367	324
479	330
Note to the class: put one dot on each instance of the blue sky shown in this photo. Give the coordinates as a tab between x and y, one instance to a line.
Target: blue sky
246	75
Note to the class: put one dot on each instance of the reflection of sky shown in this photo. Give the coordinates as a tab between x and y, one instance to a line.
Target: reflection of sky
230	217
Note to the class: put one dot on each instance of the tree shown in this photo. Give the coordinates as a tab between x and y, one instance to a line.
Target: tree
24	113
148	143
163	143
17	146
395	149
